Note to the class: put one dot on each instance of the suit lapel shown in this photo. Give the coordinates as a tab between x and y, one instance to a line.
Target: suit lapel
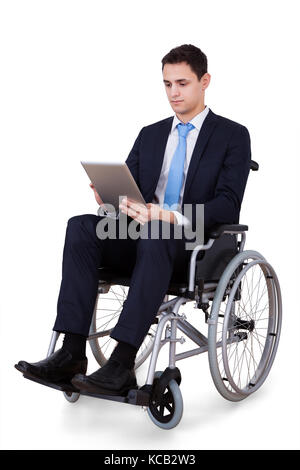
204	134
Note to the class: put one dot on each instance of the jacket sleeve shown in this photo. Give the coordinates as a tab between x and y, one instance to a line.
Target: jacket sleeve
225	207
133	158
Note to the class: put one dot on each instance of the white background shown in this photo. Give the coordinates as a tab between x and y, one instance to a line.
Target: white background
78	81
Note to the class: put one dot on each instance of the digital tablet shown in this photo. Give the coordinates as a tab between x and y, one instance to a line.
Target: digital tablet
113	180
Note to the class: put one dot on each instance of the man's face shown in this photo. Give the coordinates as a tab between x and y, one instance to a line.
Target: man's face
185	92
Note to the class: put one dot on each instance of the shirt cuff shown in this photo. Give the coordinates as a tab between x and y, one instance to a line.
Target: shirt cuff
181	219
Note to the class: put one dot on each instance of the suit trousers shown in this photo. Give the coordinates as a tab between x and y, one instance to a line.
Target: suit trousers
152	261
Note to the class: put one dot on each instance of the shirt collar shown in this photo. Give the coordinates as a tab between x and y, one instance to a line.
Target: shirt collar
197	120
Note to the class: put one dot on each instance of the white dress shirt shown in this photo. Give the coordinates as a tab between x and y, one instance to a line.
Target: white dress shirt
171	146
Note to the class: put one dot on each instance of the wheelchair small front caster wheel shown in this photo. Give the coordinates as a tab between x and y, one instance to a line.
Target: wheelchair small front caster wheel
165	409
72	397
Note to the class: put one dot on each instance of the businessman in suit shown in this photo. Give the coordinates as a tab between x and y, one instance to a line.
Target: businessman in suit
193	157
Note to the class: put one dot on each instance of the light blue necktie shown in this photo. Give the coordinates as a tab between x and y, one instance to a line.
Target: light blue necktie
175	176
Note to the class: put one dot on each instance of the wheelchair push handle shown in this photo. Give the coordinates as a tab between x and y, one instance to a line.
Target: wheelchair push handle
254	166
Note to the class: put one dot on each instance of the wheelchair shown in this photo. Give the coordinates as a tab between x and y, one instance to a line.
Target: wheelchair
238	293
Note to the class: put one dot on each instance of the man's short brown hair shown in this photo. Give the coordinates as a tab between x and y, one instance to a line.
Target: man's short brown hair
196	59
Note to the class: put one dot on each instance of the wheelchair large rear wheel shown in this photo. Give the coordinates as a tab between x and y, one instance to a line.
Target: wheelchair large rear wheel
108	306
244	326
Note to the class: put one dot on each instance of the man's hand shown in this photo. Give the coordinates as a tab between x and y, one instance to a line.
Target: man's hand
97	197
143	214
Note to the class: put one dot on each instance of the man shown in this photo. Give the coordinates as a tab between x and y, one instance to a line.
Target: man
194	157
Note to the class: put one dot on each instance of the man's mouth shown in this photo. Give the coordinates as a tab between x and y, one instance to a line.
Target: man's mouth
179	101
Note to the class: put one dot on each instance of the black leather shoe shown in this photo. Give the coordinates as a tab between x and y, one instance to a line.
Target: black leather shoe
59	367
111	379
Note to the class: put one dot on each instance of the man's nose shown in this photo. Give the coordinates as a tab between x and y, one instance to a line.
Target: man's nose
174	91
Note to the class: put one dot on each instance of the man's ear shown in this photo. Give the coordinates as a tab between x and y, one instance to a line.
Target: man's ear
205	80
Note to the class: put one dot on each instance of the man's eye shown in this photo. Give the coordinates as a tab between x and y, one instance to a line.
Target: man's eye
168	84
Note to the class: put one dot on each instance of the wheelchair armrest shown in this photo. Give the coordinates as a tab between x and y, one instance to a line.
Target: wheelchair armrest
218	230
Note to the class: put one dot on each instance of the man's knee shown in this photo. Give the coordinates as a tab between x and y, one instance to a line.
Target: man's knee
81	227
84	220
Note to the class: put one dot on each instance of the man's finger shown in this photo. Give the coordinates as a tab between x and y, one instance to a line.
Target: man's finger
138	207
132	213
143	220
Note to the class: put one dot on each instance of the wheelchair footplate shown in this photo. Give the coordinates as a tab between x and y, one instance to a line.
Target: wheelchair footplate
138	396
135	396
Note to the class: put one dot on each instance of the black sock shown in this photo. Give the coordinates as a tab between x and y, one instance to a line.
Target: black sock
125	354
75	344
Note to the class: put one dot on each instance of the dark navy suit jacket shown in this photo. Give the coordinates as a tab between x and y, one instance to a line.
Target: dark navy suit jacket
217	173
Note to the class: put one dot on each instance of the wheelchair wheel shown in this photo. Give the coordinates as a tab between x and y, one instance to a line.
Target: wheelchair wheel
71	397
108	307
244	326
166	410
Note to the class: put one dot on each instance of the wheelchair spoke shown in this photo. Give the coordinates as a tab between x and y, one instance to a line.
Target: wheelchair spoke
249	297
258	299
105	345
258	334
239	368
253	290
104	326
263	293
108	310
